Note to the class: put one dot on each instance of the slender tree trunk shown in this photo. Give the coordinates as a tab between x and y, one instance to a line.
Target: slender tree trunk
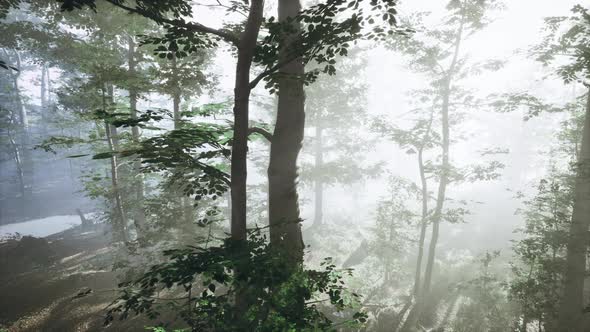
25	163
44	95
18	163
423	223
139	219
48	87
185	204
23	118
444	174
285	227
424	218
176	94
319	184
112	142
417	310
572	304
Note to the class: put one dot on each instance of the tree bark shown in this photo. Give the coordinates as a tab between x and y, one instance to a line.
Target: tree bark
572	305
319	184
139	219
424	190
112	142
25	170
18	163
185	204
284	220
176	94
423	224
239	171
44	95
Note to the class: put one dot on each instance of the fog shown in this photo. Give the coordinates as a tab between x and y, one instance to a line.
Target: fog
381	165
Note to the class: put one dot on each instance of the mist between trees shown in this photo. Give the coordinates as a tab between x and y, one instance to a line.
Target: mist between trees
338	165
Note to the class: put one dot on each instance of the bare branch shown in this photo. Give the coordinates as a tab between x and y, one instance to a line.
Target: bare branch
261	131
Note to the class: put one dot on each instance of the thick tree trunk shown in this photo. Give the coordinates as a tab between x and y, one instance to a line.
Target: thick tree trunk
572	304
138	190
285	227
319	184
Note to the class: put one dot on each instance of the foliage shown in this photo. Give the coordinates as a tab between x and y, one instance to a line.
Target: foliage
571	44
200	282
336	109
394	214
486	308
540	255
328	29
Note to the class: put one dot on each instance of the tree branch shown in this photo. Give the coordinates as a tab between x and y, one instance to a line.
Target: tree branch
267	72
192	26
261	131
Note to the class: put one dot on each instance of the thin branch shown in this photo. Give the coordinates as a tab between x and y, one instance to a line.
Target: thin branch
271	70
220	5
193	26
261	131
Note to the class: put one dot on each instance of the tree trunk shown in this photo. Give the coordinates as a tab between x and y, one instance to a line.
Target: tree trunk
424	218
85	223
285	228
417	310
186	208
138	190
239	170
444	175
319	184
120	224
44	103
112	143
25	169
18	164
572	304
176	94
423	224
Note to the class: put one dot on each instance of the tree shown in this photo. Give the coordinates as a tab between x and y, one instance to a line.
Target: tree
573	44
336	109
438	54
486	307
323	38
287	138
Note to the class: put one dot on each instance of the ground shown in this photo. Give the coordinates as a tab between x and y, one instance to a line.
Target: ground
64	282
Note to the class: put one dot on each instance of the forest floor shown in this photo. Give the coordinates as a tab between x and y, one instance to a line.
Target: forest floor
63	282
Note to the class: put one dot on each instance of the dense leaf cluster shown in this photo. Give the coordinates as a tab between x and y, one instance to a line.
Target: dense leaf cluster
198	284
